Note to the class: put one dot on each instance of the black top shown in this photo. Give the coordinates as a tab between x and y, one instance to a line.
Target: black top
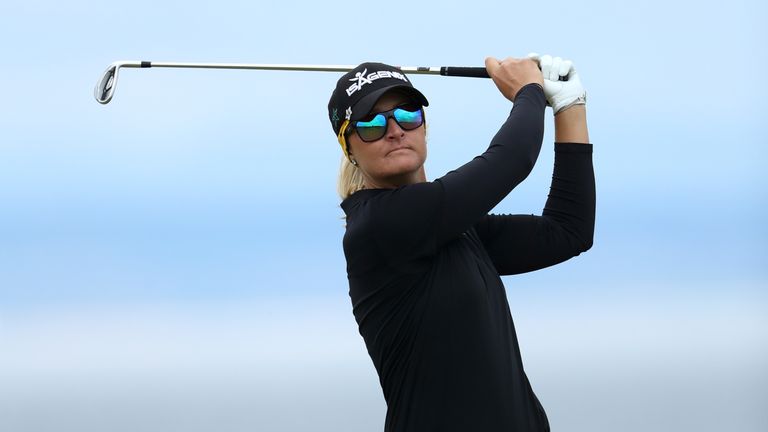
423	263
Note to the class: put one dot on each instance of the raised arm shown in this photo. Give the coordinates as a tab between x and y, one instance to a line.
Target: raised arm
523	243
416	219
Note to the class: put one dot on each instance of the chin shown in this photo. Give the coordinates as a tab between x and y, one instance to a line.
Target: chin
405	167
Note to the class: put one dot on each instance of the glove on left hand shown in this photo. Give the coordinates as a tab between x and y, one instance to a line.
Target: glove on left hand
560	94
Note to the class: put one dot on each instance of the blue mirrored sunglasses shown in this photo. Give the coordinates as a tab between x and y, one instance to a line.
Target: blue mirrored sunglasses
374	126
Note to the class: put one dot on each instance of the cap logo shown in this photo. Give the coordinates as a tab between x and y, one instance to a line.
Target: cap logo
362	79
335	117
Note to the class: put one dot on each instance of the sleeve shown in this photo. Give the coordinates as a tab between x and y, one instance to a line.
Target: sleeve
524	243
416	220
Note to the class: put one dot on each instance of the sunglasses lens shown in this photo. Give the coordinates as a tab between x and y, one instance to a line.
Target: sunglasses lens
408	120
408	117
373	129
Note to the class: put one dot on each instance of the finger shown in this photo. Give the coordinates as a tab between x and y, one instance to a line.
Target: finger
545	63
491	65
554	71
534	56
565	68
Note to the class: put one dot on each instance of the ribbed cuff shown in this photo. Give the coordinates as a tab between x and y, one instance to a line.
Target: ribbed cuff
526	88
570	147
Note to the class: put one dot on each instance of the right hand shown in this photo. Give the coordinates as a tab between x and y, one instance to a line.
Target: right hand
512	74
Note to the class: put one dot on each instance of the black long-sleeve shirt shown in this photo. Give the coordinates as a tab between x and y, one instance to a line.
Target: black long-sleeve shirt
424	263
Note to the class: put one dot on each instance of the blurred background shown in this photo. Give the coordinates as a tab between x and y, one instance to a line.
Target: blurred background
173	260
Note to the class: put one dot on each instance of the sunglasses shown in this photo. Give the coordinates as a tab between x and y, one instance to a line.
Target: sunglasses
374	126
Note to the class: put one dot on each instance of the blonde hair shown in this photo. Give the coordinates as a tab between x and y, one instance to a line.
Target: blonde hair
350	179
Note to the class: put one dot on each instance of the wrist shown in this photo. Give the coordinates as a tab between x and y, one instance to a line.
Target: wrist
577	104
564	105
571	125
533	86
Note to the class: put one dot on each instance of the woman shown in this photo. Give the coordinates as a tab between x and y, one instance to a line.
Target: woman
424	259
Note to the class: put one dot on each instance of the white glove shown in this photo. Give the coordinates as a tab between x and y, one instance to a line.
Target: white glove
560	94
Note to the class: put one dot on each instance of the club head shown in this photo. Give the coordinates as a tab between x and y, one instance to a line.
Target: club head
105	87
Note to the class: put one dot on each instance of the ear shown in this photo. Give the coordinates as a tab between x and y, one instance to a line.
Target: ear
351	137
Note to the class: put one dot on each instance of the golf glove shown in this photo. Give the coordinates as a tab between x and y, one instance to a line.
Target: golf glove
560	94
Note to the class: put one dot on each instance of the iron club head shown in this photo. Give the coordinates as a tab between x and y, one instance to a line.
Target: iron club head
105	87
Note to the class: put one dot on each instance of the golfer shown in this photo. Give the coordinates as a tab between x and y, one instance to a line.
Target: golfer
424	258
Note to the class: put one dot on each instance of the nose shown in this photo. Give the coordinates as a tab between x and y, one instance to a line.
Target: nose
393	129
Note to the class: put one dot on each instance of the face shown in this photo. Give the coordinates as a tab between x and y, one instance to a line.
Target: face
395	159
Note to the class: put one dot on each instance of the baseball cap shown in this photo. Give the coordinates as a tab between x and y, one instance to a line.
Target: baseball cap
358	90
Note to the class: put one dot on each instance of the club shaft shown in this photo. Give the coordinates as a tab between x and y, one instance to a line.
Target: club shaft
106	86
432	70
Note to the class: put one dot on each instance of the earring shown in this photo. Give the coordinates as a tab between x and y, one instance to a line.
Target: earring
354	162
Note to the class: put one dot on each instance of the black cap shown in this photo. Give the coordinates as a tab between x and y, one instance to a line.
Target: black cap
358	90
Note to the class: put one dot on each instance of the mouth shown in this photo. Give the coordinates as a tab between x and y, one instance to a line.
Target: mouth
398	149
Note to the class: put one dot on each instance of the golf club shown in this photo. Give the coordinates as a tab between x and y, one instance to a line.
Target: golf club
105	87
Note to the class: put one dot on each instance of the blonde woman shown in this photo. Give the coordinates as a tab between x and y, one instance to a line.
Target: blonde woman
424	258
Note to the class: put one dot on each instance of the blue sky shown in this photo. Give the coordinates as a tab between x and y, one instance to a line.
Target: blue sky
186	238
